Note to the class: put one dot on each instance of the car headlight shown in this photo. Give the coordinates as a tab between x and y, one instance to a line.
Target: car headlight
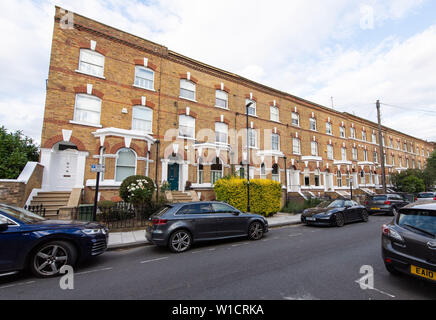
93	231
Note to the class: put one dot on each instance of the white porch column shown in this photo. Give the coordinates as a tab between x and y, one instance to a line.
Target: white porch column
45	161
80	170
184	176
164	174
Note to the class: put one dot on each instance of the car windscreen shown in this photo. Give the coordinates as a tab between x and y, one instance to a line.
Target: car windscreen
426	195
21	214
324	204
336	204
415	219
378	198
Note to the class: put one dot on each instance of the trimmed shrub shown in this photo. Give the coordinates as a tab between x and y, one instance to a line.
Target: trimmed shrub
137	189
265	195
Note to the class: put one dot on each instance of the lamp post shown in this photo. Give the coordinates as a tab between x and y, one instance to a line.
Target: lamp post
286	181
248	159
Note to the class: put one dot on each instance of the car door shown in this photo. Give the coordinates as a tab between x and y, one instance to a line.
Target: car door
202	218
350	211
229	223
10	239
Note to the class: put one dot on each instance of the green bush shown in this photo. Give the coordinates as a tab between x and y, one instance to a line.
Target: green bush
265	195
137	189
105	204
298	207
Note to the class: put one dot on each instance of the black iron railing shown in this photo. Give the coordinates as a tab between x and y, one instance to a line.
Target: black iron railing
120	216
38	209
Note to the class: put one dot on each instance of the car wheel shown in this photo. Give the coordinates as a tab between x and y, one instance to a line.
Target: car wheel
48	259
180	241
392	270
255	231
340	220
394	211
364	215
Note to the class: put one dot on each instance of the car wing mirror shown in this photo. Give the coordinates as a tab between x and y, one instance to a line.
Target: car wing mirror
236	213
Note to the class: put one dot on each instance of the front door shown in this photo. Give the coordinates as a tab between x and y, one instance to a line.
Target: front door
65	163
173	176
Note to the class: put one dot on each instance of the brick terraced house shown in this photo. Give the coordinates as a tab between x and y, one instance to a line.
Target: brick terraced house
139	108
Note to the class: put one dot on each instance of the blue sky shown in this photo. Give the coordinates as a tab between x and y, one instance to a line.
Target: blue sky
312	49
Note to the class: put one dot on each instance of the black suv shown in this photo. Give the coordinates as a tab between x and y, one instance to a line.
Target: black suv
409	242
385	203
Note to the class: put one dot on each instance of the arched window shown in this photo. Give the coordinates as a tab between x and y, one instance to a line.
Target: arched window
87	109
216	170
339	178
221	99
125	164
275	172
187	89
144	78
91	62
262	171
142	119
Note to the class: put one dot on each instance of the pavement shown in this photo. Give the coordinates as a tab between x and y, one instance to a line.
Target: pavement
118	240
296	262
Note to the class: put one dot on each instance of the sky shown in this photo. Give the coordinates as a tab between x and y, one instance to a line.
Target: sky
337	53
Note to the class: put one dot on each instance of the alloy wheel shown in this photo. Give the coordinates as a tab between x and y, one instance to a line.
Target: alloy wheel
50	259
365	216
180	241
340	221
255	231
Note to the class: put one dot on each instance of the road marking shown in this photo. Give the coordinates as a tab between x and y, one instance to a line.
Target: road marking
92	271
361	283
152	260
212	249
295	235
17	284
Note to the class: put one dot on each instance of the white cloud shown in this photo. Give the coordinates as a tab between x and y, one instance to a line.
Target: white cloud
294	46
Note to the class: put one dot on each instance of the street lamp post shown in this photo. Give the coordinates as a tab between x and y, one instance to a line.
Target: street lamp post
286	182
248	159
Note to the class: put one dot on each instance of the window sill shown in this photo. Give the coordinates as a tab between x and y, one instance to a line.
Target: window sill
86	124
188	99
89	74
139	87
222	108
251	115
186	138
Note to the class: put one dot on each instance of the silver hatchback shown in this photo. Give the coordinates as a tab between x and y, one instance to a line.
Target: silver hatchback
179	225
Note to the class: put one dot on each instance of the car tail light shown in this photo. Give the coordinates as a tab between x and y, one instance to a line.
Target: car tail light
387	260
387	202
416	198
389	232
158	222
434	198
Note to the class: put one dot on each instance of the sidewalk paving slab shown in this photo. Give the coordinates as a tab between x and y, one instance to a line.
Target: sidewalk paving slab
119	240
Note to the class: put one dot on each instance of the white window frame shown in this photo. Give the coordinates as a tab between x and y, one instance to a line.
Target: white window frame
365	155
295	117
220	98
116	163
137	79
344	154
275	135
189	120
312	121
314	148
328	128
352	133
342	131
91	66
187	86
354	153
253	106
219	126
296	146
150	111
76	109
363	135
274	114
252	134
330	155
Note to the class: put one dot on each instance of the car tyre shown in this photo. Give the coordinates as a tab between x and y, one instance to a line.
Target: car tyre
47	260
180	241
339	220
364	215
392	270
255	230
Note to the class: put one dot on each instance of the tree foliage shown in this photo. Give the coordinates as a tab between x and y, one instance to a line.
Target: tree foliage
15	151
411	180
430	171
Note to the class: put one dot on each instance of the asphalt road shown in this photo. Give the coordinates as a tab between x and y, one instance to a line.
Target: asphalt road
297	262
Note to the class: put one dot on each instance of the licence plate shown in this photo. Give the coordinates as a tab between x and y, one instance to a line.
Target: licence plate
310	219
375	208
423	272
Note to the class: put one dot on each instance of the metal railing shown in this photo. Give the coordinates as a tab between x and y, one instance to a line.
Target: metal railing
120	216
38	209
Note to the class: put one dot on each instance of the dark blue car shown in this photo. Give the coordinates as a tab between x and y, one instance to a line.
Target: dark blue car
44	246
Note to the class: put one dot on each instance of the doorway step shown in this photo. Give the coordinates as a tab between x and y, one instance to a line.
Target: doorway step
179	196
51	201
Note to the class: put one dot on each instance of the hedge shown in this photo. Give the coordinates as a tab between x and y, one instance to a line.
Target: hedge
265	195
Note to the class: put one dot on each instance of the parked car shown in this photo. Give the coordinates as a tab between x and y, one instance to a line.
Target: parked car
409	241
44	246
179	225
426	196
337	213
385	203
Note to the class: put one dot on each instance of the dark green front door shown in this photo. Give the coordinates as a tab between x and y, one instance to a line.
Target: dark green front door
173	176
